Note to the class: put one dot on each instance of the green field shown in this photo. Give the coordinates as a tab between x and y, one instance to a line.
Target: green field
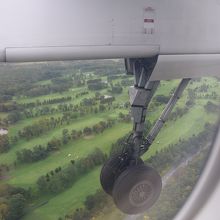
69	200
26	175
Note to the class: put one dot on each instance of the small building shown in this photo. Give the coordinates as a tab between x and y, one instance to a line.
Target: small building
106	99
3	131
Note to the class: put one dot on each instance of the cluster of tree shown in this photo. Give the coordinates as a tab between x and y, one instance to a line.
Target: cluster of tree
162	99
87	105
95	129
212	95
88	102
116	89
191	93
54	144
50	110
73	111
203	88
124	117
61	179
99	127
110	78
190	103
81	94
40	90
11	118
5	98
58	85
179	112
210	107
127	82
106	71
93	204
92	81
17	81
32	155
39	111
97	85
125	105
8	107
202	92
40	127
40	152
100	67
4	143
14	117
13	202
4	168
79	79
45	102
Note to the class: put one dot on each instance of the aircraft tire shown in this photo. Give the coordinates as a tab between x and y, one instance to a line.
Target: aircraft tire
112	169
137	189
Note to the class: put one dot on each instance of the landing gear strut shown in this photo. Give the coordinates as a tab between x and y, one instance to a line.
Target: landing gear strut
134	186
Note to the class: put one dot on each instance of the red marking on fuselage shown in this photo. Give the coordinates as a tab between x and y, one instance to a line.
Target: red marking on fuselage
147	20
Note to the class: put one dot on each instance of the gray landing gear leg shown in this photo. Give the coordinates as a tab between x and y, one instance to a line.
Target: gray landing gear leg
140	96
134	186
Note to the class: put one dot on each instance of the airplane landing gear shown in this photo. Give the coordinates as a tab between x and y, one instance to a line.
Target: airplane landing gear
134	186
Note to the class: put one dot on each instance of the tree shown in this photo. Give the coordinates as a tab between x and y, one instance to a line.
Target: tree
191	93
102	108
116	89
87	131
81	214
3	210
162	99
65	138
54	144
16	207
74	135
42	183
210	107
13	117
4	143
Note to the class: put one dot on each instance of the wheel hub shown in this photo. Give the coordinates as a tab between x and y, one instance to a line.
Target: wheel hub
141	193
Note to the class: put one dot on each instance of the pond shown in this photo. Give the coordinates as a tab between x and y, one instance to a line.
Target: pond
3	131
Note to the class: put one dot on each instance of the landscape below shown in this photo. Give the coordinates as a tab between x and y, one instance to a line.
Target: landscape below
59	123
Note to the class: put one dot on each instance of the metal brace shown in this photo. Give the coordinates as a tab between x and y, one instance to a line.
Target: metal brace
164	116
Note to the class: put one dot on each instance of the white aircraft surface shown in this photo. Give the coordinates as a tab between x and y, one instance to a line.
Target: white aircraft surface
159	39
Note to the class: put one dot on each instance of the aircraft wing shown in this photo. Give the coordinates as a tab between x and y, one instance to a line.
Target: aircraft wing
185	34
186	66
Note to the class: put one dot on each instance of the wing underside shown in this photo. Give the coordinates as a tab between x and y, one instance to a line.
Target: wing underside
186	66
